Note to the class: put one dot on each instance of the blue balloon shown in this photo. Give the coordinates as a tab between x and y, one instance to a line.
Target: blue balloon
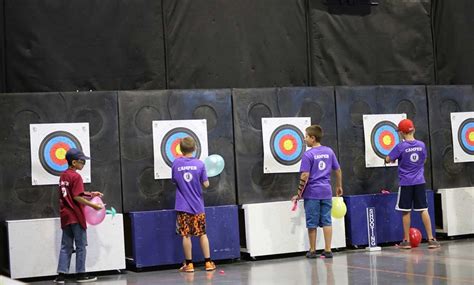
214	165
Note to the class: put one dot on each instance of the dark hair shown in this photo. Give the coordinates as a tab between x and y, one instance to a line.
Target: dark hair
187	145
315	131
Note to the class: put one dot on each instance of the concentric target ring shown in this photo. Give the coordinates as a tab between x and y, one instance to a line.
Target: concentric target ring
384	137
466	136
52	151
170	144
287	144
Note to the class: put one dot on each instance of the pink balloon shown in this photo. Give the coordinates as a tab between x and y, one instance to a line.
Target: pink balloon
94	217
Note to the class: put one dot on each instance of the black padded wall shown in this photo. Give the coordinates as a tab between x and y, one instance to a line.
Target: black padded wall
55	45
352	103
249	106
442	101
137	110
454	41
241	44
2	47
20	200
366	45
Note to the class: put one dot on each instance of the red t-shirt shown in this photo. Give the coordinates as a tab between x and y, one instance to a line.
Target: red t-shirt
70	186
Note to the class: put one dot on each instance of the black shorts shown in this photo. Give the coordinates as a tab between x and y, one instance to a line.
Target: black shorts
412	197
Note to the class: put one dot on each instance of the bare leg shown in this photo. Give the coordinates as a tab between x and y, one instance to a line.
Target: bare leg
406	225
327	238
204	241
427	222
312	239
187	246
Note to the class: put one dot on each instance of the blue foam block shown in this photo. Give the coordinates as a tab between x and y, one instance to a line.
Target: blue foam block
389	226
155	242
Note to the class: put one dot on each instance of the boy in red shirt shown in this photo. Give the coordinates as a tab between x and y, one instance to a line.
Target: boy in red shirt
72	199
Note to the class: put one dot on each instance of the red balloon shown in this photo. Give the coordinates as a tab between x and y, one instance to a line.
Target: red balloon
415	237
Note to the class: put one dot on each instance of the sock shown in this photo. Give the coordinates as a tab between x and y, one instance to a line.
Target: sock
188	261
207	259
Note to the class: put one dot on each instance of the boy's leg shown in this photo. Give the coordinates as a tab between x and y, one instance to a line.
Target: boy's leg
326	222
65	252
80	239
312	239
406	219
311	208
420	204
204	241
187	247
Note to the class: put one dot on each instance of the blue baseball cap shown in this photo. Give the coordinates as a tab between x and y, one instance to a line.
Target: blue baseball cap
75	154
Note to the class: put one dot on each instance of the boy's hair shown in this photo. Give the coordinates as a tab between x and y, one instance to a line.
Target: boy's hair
315	131
187	145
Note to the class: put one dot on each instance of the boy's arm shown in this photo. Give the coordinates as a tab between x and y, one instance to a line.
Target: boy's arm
339	191
303	180
86	202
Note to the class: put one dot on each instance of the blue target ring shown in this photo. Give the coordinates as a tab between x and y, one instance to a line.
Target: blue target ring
466	136
384	137
170	144
287	144
52	151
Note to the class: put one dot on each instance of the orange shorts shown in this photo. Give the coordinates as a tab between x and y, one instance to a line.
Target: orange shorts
189	224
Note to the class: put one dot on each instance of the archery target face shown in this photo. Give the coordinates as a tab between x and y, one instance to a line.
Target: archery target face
462	125
166	138
283	143
381	136
49	144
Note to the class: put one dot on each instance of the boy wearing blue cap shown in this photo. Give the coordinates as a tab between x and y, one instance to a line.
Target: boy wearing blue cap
72	199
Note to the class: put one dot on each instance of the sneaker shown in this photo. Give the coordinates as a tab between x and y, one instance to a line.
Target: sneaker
60	279
311	254
210	266
405	244
432	243
187	268
327	254
84	278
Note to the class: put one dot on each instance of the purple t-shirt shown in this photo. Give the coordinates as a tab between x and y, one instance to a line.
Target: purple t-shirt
188	174
319	161
411	157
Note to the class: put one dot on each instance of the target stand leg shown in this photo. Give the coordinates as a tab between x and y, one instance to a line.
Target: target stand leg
371	230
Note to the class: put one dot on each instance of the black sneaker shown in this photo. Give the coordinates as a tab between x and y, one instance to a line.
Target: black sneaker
327	254
311	254
60	279
84	277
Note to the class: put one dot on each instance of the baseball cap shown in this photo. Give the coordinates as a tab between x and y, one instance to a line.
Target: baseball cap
75	154
406	126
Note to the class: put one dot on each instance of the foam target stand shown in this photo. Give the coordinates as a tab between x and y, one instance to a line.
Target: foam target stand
389	227
34	245
153	240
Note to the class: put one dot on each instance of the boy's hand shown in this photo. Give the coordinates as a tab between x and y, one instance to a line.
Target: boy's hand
295	198
339	191
98	207
96	193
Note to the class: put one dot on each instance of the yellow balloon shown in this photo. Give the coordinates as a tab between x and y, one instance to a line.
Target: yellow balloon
339	208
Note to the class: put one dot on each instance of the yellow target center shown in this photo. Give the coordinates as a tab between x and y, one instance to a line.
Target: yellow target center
387	140
178	150
61	153
471	136
288	144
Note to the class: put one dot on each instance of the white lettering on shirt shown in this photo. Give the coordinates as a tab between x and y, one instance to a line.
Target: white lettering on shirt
319	156
186	168
412	149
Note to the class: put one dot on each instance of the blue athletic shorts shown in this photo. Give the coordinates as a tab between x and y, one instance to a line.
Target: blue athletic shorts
412	197
318	212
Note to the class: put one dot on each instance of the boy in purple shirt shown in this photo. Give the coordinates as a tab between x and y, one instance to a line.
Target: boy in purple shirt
188	173
316	166
411	155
